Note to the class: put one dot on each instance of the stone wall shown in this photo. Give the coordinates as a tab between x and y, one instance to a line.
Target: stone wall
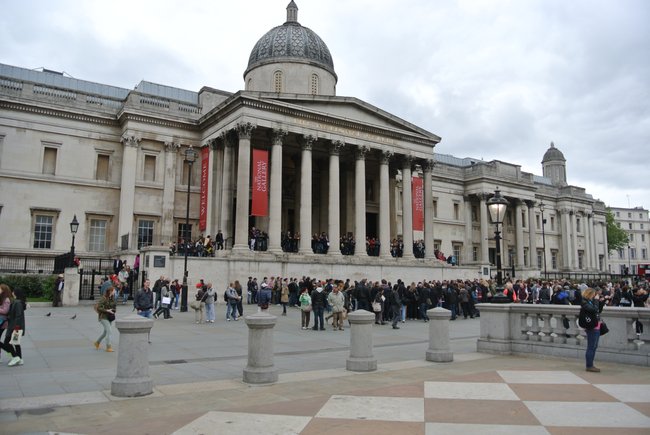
553	330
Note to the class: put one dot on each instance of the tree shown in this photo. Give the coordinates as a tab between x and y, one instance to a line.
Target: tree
616	237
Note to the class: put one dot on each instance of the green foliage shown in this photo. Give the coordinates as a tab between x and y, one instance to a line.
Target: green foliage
616	237
35	286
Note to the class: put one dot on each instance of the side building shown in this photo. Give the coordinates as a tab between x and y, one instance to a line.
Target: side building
630	259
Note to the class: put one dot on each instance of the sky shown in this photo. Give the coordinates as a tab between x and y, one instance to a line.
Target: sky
496	79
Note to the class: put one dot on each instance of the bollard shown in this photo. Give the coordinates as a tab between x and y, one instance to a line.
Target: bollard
361	358
133	378
439	350
260	368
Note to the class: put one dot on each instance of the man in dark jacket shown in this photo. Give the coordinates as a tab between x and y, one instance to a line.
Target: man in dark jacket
143	301
395	305
318	302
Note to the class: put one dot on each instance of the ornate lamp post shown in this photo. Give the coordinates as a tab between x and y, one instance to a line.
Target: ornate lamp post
74	227
497	207
541	209
190	157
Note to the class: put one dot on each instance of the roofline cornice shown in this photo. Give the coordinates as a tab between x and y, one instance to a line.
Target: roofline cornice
58	113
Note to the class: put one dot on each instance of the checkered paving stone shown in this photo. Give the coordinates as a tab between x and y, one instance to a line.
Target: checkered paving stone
500	402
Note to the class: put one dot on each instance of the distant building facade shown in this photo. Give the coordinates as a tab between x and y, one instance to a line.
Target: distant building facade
636	223
115	158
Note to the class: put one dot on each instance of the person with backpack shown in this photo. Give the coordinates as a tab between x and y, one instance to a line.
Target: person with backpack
105	309
589	318
15	327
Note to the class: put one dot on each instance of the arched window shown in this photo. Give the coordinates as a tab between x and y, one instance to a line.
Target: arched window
314	84
277	81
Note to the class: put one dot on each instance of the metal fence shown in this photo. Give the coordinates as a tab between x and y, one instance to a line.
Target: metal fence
46	265
583	276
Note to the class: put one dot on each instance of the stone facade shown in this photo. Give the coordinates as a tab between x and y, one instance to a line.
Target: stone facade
636	223
116	158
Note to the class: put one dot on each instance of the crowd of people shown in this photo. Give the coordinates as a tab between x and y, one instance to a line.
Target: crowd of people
202	246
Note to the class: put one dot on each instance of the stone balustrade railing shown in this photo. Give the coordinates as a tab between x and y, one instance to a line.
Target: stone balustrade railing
553	330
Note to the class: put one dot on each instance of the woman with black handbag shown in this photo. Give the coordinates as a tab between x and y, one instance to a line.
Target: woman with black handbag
15	327
106	314
589	318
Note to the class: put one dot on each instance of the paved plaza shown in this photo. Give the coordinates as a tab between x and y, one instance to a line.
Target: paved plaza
64	385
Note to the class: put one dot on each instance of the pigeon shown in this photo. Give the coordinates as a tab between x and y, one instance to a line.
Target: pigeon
48	314
74	317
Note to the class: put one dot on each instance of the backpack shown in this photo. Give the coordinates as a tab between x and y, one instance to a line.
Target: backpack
586	320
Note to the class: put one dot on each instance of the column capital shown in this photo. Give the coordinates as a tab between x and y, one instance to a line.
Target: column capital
245	130
385	156
212	143
172	147
307	142
530	203
361	152
278	135
227	138
336	146
484	196
565	211
407	162
130	141
428	165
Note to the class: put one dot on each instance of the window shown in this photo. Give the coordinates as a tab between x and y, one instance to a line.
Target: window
643	237
553	259
186	168
632	253
644	253
552	223
640	215
631	237
526	257
578	230
474	213
277	81
537	222
184	232
456	212
601	262
629	215
641	226
49	160
621	253
149	168
540	258
523	219
509	217
457	249
314	84
618	214
102	172
474	253
97	235
145	233
630	225
511	256
435	208
581	258
43	231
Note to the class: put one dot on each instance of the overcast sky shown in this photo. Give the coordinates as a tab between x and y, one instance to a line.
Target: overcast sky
496	79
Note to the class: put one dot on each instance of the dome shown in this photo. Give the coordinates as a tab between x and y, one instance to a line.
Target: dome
291	42
553	154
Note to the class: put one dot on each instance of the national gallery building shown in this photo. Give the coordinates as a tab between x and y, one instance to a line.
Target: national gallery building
285	157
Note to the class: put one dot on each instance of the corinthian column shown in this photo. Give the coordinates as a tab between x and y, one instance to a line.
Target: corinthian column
384	204
519	230
407	208
360	202
245	131
127	187
532	235
225	219
275	197
428	208
169	188
334	199
305	194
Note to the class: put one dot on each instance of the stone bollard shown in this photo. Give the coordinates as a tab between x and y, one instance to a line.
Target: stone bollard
439	350
361	358
260	368
133	378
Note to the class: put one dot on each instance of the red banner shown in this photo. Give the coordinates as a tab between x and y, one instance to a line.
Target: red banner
205	167
417	192
260	183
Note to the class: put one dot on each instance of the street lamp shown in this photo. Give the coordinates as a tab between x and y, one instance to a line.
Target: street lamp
541	208
497	207
190	157
74	227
